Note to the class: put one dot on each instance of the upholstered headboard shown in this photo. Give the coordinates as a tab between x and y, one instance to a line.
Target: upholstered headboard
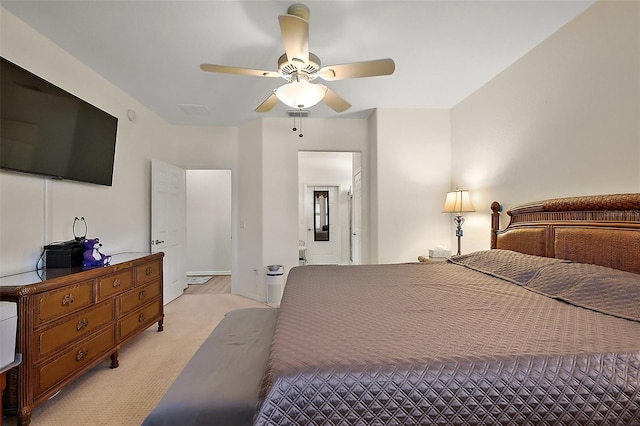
599	229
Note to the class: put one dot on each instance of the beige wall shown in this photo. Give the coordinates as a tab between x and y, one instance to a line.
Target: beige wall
561	121
35	211
247	277
412	177
208	222
38	211
279	178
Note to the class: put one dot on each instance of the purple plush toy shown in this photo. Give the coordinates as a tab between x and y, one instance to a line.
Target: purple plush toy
92	255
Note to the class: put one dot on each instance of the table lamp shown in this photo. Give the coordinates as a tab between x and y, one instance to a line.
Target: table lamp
458	202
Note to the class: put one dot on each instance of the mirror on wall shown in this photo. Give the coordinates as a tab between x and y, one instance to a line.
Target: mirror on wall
321	215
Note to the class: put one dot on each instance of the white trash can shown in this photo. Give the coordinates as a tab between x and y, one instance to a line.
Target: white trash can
275	282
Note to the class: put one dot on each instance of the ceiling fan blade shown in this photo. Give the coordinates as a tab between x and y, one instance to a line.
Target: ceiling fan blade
295	36
235	70
358	69
268	104
337	103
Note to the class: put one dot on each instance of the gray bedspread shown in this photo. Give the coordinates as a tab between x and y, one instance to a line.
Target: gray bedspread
495	338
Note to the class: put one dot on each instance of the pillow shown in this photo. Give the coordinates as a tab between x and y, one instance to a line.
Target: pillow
594	287
509	265
606	290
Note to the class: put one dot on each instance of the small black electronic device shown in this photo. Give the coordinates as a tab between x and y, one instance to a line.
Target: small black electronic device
67	254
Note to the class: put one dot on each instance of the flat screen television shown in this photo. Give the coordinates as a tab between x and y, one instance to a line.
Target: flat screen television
47	131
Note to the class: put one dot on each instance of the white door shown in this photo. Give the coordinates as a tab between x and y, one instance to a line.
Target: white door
356	231
168	232
319	250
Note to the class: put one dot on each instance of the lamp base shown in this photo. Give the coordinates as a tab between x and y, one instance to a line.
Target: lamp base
459	220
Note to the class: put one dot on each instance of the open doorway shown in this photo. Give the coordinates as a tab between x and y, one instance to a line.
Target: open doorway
331	172
208	229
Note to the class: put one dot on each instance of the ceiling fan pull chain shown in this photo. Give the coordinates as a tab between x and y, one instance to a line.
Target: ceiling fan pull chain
300	126
294	123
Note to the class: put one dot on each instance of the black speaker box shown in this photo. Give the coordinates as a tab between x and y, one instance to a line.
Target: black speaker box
67	254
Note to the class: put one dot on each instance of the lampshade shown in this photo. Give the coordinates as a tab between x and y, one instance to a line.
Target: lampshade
458	201
301	94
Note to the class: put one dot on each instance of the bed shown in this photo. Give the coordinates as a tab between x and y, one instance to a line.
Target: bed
544	328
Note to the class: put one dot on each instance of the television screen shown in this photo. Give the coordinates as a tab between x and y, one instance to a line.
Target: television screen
47	131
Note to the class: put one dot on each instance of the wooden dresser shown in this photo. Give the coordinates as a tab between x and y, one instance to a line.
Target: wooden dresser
70	320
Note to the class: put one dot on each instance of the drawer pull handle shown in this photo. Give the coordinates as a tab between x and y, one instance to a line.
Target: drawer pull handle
82	324
82	354
142	295
68	299
116	283
148	271
141	317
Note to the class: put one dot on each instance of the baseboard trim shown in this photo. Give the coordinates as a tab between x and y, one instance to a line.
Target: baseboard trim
200	273
252	296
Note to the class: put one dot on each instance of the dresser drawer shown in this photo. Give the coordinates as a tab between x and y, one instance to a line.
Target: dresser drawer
138	297
148	271
73	328
114	284
140	319
76	358
56	303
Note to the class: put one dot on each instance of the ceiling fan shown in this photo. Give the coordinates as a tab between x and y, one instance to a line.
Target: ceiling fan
300	68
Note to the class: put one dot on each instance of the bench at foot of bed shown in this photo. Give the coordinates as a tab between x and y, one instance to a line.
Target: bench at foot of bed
221	382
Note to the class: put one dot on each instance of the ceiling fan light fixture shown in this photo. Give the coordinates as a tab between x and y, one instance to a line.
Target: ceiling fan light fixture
300	68
301	94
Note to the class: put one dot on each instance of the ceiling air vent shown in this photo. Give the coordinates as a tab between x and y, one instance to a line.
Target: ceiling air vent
194	109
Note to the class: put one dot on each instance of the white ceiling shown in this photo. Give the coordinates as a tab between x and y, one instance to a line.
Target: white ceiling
444	50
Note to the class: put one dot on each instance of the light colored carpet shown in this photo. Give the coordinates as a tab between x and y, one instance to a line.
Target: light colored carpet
148	366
